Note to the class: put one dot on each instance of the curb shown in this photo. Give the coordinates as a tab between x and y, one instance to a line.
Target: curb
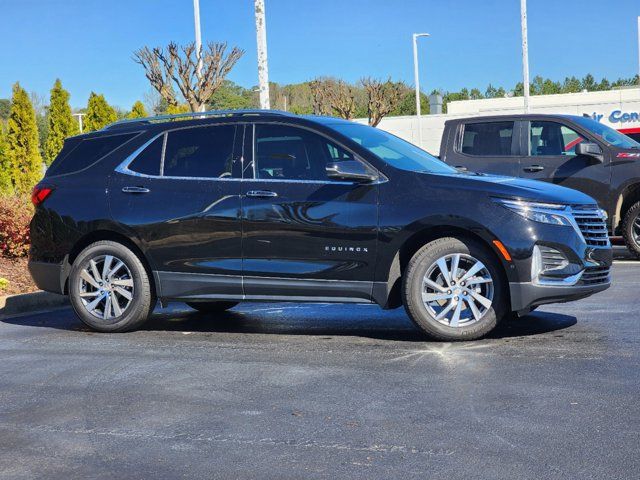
30	302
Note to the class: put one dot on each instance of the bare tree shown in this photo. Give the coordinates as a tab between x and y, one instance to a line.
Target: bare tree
342	99
179	66
382	98
319	91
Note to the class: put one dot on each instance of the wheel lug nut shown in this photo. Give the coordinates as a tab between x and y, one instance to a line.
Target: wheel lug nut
449	292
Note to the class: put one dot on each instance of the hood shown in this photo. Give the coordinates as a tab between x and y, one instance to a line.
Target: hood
511	187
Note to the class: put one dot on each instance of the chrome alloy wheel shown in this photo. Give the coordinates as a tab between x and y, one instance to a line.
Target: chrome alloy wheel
106	287
457	290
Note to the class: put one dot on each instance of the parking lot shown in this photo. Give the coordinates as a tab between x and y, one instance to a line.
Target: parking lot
325	391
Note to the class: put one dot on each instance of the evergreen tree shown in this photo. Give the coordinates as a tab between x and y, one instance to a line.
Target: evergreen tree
6	187
61	122
25	162
99	113
138	110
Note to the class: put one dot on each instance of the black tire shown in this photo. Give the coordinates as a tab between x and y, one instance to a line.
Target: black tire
143	298
420	264
212	307
631	229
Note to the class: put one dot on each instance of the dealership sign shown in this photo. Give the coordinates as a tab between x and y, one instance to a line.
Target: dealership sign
618	116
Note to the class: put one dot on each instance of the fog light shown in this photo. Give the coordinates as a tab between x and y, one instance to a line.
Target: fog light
548	266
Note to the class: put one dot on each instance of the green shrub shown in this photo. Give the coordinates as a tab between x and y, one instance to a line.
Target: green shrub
15	215
4	283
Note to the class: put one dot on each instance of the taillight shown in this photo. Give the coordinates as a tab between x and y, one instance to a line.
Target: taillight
39	194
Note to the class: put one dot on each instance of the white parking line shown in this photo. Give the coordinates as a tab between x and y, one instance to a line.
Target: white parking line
626	262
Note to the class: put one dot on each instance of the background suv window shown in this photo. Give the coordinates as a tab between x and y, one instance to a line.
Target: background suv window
552	139
487	139
294	154
205	152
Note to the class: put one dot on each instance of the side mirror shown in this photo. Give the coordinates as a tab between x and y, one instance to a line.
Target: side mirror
589	149
351	170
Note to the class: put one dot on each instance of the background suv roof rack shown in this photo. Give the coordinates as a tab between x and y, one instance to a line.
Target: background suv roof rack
193	115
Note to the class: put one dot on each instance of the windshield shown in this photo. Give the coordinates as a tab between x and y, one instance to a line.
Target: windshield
393	150
607	134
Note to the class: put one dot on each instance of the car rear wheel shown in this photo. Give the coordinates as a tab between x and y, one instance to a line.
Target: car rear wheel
631	229
212	307
109	288
453	290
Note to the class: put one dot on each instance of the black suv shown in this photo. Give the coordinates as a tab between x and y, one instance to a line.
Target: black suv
267	206
568	150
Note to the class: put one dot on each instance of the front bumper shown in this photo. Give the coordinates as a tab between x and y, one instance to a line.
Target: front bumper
527	295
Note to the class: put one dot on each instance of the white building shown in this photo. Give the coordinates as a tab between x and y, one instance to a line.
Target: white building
619	109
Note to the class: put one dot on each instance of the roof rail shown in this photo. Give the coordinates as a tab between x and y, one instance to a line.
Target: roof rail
193	115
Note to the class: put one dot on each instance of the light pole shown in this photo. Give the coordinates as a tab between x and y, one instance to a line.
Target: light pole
525	54
79	115
638	50
263	70
196	21
417	82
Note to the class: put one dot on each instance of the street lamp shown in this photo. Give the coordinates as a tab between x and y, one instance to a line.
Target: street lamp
79	115
417	82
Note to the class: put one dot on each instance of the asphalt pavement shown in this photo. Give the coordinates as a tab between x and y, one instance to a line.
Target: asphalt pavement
303	391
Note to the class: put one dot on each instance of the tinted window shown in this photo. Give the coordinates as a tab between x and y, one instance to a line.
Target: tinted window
87	152
392	150
487	139
552	138
294	153
200	152
148	161
634	136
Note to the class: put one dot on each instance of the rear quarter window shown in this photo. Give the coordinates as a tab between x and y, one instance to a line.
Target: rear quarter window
86	152
487	139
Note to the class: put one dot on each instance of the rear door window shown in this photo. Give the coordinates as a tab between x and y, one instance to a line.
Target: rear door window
86	153
202	152
487	139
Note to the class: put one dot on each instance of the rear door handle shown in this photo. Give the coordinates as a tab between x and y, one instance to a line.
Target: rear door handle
461	168
135	190
261	194
533	168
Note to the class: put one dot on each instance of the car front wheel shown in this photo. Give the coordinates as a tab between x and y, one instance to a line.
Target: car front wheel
453	290
109	288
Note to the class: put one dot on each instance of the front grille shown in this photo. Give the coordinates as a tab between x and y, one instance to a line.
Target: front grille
595	276
592	224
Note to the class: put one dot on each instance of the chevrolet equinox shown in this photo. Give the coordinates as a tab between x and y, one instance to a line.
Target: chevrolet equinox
224	207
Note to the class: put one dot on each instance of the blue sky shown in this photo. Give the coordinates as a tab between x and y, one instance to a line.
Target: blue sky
88	43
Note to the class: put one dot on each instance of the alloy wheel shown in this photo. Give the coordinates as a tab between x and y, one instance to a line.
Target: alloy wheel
106	287
635	230
457	290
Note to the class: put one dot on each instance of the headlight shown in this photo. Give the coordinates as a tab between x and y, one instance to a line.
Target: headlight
554	214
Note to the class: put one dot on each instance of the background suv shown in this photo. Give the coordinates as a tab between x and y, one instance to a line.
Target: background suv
266	206
576	152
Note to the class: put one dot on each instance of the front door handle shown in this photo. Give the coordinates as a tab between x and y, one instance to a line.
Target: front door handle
533	168
261	194
135	190
461	168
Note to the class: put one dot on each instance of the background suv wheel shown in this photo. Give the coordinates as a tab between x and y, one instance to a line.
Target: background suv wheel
109	288
631	229
453	290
